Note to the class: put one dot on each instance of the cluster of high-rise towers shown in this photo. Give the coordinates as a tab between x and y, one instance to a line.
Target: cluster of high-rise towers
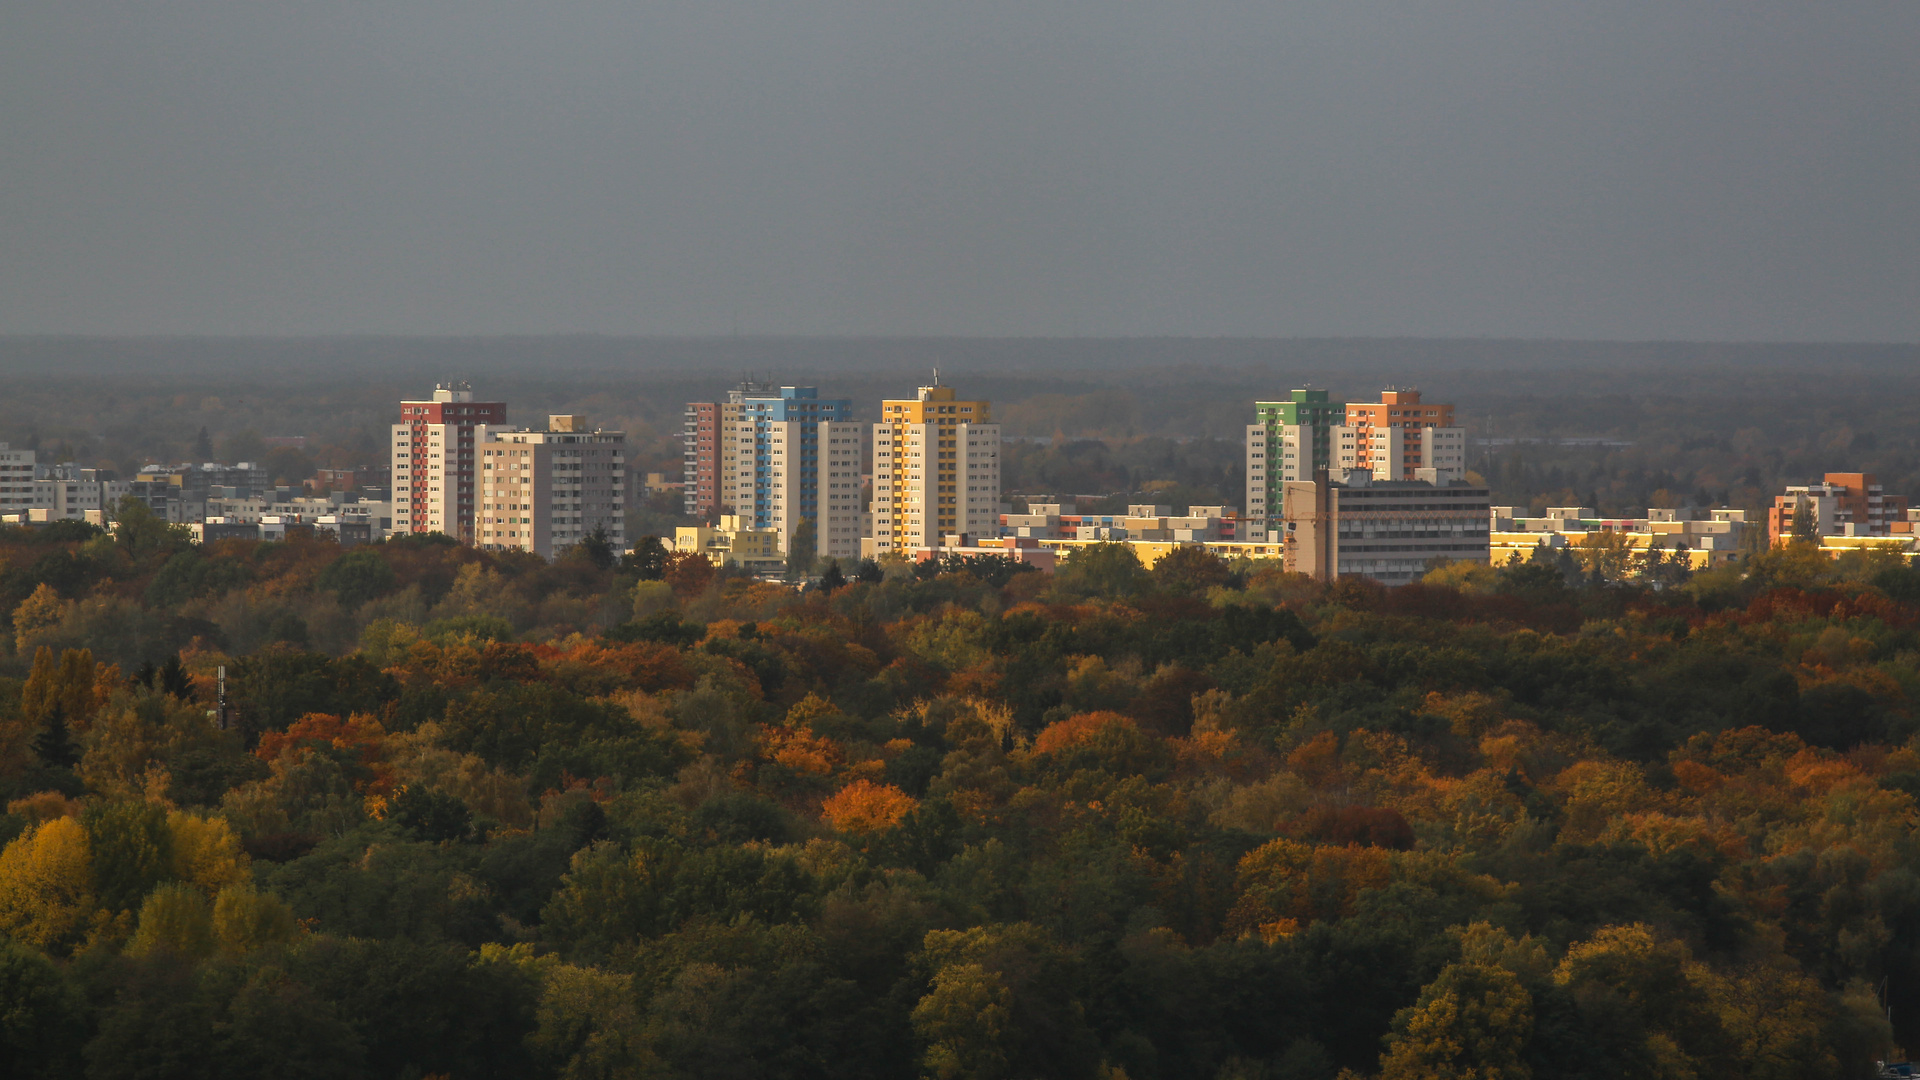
777	457
1399	437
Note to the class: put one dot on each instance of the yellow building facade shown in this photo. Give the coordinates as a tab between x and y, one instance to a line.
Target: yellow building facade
936	470
733	542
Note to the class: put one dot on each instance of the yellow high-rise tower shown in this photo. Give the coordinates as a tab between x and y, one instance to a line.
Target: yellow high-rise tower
936	470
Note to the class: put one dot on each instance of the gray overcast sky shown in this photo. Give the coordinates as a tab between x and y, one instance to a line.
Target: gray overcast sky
1575	168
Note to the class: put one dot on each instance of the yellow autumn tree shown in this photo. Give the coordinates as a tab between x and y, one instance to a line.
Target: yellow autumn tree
68	685
245	920
41	611
1471	1023
173	919
206	853
1598	791
46	886
1628	975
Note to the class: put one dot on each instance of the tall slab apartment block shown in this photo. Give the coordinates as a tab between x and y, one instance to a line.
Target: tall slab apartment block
700	460
1399	435
433	460
1288	440
545	491
816	474
777	455
936	470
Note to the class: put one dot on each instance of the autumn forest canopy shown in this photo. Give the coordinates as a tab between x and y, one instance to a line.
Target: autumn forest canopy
466	814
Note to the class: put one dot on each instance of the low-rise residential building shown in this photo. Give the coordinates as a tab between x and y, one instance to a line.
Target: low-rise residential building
179	493
1200	524
1841	504
1705	538
734	541
1387	530
283	503
1035	553
32	491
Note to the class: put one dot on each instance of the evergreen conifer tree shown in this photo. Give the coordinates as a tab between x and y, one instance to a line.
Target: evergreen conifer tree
54	746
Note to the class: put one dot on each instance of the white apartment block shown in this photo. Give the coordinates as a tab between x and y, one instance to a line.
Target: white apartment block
1275	455
545	491
36	492
1442	449
17	493
816	472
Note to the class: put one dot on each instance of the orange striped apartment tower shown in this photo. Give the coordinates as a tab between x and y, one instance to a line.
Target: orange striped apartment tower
1399	435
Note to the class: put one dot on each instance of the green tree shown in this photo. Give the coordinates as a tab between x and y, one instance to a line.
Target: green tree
130	849
43	1021
277	1026
833	578
597	548
1002	1005
648	559
245	919
140	534
54	745
356	577
1190	571
802	550
174	918
1107	571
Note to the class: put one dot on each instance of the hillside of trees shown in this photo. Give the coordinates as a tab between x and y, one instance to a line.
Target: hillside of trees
474	815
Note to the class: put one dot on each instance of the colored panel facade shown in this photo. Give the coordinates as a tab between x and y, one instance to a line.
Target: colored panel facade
1842	504
1288	440
433	460
700	457
936	470
777	490
1374	441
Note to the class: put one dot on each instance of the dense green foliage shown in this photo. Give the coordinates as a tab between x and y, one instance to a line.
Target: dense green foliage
473	815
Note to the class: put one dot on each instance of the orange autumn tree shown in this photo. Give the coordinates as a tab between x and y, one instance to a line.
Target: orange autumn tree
1285	884
358	740
864	806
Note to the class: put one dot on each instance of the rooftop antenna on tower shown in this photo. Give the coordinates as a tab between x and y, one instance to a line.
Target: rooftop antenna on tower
936	376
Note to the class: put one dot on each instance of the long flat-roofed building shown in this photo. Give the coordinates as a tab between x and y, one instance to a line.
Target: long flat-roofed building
1387	530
